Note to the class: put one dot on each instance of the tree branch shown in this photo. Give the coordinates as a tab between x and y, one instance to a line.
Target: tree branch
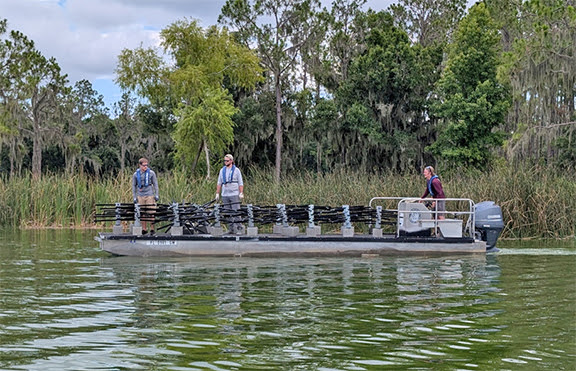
556	125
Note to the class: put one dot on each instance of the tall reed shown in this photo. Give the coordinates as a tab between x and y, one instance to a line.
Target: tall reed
535	202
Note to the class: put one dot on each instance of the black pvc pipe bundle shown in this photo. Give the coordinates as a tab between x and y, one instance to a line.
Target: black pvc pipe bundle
195	217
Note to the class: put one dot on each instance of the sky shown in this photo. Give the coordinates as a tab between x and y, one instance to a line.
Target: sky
86	36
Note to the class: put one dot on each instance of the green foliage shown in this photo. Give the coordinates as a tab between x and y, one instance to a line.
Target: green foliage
198	123
471	101
254	130
384	99
150	134
342	88
142	71
281	31
204	60
320	128
536	202
30	87
428	22
340	40
82	120
541	67
567	157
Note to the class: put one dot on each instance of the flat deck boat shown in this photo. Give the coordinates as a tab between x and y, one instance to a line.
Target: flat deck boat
388	225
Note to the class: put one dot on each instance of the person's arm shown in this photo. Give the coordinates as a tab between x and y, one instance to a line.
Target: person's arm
134	187
426	193
240	184
218	185
156	189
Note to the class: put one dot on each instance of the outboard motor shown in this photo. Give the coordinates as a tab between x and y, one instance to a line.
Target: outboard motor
488	222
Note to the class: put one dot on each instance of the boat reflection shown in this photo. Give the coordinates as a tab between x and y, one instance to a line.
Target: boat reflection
233	288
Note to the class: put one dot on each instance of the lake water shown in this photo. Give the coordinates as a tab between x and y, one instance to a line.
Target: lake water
65	305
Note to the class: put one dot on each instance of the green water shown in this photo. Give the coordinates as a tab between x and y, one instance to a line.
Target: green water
65	305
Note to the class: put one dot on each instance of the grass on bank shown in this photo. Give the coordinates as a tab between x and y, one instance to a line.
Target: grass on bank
535	202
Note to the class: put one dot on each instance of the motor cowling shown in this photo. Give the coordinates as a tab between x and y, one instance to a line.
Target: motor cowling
488	222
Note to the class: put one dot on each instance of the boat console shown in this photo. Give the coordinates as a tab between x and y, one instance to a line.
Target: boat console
462	217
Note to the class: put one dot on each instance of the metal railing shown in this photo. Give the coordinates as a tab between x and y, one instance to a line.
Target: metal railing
461	208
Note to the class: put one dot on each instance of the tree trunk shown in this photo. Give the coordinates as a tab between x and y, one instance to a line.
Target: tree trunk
278	129
318	157
12	157
207	153
37	155
122	157
197	158
70	161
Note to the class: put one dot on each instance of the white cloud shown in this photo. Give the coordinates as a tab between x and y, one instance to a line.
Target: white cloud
86	36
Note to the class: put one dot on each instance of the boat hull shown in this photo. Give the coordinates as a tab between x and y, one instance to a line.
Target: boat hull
276	246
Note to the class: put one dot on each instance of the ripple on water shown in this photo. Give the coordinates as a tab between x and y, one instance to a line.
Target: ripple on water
537	251
455	312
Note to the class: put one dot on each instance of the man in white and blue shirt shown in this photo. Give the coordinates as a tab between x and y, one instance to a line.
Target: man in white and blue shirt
231	185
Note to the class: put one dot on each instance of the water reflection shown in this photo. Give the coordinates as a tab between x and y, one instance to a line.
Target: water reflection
290	311
74	308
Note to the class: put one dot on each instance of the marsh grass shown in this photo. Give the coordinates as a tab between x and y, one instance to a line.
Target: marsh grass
535	201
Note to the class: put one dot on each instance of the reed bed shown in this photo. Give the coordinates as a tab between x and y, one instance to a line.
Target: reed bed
536	203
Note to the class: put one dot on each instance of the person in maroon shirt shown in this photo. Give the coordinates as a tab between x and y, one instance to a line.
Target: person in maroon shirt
434	189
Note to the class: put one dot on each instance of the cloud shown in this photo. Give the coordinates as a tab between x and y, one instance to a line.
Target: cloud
86	36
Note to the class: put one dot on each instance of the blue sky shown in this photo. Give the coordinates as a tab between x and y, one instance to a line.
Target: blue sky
86	36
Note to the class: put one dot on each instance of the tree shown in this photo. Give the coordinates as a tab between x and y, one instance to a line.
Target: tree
538	36
254	129
204	61
428	22
384	98
42	87
12	47
32	87
471	101
82	117
128	131
342	40
279	29
324	115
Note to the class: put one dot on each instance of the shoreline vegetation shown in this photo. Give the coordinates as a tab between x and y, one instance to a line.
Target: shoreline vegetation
536	202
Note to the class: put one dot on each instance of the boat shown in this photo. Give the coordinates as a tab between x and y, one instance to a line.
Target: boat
388	225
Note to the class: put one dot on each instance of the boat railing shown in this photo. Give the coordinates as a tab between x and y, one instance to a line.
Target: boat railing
415	215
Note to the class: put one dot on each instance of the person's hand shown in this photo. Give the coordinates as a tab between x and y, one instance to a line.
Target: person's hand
156	198
241	195
217	196
135	200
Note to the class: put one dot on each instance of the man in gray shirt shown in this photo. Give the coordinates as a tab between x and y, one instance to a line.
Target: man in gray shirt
231	185
145	192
